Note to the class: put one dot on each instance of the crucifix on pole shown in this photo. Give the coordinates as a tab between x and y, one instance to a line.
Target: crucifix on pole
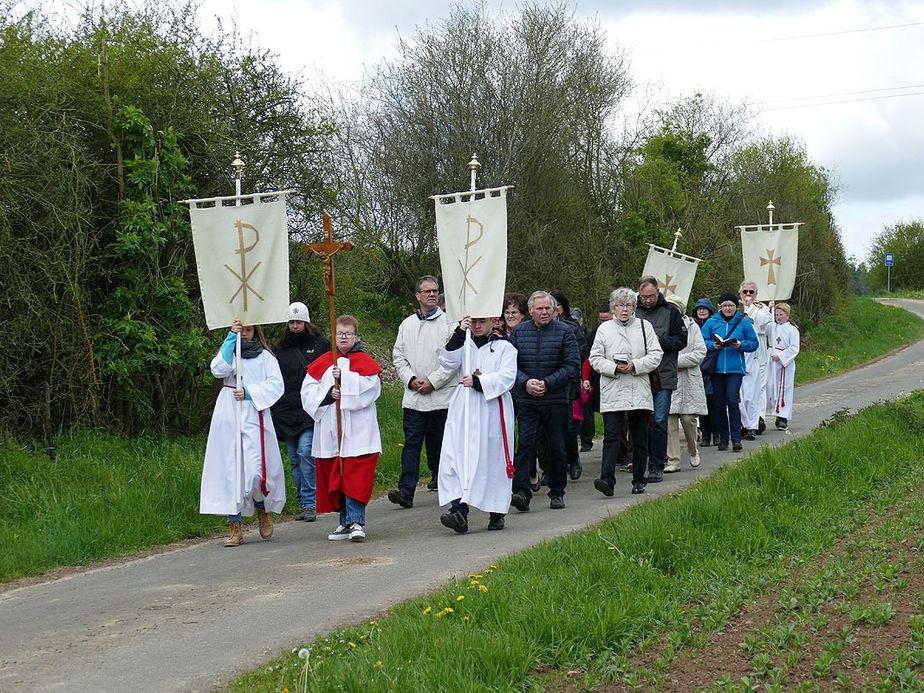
326	252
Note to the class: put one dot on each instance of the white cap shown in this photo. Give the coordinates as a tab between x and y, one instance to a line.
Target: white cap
299	311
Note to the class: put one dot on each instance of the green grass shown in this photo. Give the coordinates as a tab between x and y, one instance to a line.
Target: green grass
588	599
859	332
105	496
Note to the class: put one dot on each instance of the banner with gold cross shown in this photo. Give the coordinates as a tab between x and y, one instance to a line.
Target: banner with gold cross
471	228
242	257
674	271
770	254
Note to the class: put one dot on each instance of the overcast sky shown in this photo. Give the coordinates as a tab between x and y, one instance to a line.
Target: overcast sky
846	77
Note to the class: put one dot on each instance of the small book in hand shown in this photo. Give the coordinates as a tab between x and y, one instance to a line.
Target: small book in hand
723	342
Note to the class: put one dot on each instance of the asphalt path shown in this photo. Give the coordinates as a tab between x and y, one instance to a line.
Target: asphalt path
193	618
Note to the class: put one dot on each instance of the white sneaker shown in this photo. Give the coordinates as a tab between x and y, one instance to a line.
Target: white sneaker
357	533
340	533
671	467
694	460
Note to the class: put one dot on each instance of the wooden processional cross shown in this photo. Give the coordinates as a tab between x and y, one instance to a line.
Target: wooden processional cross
326	252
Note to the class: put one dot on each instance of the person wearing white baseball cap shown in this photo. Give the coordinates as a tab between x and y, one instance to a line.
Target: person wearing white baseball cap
300	344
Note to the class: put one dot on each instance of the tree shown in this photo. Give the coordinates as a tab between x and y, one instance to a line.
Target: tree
905	240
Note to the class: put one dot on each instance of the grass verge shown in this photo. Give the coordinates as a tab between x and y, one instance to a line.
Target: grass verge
591	599
858	332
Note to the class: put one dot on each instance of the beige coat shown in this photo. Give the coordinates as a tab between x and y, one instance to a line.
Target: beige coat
690	395
624	391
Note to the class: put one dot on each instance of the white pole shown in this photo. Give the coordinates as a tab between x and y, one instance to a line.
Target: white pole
238	164
473	167
677	235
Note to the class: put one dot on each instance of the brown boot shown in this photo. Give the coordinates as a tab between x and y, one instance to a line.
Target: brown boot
266	524
237	536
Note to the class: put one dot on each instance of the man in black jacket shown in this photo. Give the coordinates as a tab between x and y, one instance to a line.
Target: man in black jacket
547	366
672	333
299	345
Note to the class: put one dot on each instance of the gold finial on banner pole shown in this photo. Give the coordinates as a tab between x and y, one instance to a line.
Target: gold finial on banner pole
238	165
770	209
473	167
677	234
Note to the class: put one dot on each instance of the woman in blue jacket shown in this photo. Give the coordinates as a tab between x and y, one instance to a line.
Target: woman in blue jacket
730	333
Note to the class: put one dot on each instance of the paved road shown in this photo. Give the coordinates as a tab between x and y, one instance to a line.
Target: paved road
191	619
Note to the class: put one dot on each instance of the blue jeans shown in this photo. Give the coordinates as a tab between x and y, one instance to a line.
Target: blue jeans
657	430
237	516
420	427
303	470
726	388
351	510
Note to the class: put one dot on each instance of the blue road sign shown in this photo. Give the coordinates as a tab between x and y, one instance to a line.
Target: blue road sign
890	259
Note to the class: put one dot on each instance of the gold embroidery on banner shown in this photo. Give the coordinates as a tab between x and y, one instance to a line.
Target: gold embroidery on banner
467	266
770	260
245	276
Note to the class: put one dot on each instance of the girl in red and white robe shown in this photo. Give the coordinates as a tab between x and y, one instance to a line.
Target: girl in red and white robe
784	346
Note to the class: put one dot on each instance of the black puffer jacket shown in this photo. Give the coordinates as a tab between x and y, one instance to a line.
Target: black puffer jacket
547	353
667	322
295	352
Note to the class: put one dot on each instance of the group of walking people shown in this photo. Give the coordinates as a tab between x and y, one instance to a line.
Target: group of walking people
650	370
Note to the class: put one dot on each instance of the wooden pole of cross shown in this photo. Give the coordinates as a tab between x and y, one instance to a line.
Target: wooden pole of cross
326	252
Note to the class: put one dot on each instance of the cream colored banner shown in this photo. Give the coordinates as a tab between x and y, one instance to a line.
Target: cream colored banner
770	255
674	271
242	256
472	232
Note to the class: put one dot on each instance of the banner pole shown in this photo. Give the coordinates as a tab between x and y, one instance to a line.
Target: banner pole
473	167
238	164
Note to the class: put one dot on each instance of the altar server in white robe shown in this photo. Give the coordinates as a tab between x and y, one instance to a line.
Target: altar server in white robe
753	385
263	480
783	351
482	478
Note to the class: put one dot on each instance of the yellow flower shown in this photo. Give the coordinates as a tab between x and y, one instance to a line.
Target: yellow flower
460	597
489	571
492	566
362	637
427	610
483	588
400	445
377	664
466	619
611	548
351	644
474	582
449	610
373	623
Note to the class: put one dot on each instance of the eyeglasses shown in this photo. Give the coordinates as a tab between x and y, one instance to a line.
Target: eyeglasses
623	306
727	304
346	334
429	291
512	313
648	296
748	291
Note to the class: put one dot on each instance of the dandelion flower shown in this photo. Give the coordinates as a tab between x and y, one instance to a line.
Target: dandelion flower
351	644
492	566
377	664
483	588
303	653
460	597
466	619
427	610
611	548
373	623
362	637
474	582
449	610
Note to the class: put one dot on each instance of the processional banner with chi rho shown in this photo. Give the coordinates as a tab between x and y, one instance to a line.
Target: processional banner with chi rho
674	271
770	253
471	229
242	256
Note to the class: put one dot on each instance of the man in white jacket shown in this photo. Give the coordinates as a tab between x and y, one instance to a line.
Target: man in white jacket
428	387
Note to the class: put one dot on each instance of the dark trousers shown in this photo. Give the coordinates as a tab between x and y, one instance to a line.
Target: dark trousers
726	388
707	422
553	419
614	423
657	431
588	425
420	427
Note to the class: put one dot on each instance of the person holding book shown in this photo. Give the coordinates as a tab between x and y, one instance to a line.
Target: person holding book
729	333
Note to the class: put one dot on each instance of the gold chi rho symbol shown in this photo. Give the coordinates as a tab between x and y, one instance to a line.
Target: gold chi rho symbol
242	250
468	266
770	260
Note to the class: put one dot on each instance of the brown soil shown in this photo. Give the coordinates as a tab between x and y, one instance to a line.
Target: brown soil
879	562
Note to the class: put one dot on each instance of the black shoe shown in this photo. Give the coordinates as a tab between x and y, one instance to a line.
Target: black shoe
655	476
455	520
638	487
575	470
520	502
587	447
736	446
749	434
399	497
431	485
496	521
723	445
556	502
603	487
761	426
543	481
781	423
535	487
625	466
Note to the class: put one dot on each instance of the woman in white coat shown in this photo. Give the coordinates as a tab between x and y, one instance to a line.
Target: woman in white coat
262	480
784	347
625	350
480	479
689	398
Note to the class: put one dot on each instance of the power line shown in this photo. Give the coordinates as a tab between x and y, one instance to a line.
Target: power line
843	93
832	103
